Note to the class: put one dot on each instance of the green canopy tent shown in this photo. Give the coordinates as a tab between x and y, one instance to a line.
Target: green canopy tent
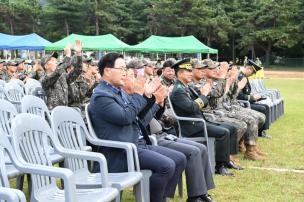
160	44
106	42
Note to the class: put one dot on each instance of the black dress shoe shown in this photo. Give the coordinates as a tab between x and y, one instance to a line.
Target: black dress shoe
221	170
206	198
264	135
195	199
232	165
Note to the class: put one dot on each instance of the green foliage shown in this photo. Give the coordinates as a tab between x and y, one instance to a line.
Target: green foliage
258	27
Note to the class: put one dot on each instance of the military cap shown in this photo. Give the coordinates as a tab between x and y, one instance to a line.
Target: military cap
254	65
185	64
19	61
209	64
46	58
198	64
87	60
148	63
11	63
136	64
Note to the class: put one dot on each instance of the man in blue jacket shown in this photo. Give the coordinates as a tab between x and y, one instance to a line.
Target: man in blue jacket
114	116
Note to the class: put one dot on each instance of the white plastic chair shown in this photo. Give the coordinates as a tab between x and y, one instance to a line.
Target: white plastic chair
7	194
209	140
11	195
14	94
131	153
7	113
70	130
34	105
30	85
30	142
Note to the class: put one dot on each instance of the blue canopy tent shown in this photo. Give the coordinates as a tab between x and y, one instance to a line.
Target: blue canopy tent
22	42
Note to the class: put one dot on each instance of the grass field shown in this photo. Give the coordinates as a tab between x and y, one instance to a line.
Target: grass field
285	150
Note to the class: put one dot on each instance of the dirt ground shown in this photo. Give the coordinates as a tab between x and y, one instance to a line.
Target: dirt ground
284	74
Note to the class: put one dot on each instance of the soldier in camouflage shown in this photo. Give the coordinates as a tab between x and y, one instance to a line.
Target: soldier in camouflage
209	72
253	118
56	80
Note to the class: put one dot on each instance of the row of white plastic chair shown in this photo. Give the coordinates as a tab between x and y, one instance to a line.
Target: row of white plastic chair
274	99
76	141
15	90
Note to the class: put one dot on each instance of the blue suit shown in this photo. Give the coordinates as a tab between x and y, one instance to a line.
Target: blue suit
114	116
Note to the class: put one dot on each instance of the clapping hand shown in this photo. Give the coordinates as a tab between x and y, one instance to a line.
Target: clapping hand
151	87
223	70
139	85
160	95
205	90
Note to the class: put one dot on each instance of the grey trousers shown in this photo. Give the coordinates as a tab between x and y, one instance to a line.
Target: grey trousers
198	173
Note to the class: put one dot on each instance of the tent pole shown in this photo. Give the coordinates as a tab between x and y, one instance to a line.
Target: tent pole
156	56
217	57
165	56
208	56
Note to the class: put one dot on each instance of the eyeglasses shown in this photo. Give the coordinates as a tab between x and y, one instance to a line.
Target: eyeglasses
121	68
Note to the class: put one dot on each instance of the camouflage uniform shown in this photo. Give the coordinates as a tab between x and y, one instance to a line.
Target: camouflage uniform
166	82
3	75
56	83
235	110
221	115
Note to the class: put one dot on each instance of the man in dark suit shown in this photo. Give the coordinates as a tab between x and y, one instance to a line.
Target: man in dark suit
186	102
245	94
114	116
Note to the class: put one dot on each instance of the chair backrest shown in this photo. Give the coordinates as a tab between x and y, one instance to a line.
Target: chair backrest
92	133
4	146
34	105
14	94
2	92
70	130
30	85
30	142
7	113
2	82
175	115
16	82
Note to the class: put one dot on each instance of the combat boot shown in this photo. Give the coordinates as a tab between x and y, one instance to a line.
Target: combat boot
260	153
242	147
251	154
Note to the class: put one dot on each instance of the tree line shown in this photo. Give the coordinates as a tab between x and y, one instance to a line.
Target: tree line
236	27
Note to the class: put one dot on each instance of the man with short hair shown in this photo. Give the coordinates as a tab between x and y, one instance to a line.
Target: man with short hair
115	116
168	75
245	94
56	80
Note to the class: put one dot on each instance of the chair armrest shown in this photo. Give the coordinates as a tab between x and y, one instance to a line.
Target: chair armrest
65	174
127	146
153	139
90	156
9	195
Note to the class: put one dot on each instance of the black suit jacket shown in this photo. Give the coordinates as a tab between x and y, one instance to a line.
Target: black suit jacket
187	103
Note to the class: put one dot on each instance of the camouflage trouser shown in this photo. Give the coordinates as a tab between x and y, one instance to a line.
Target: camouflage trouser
241	126
260	117
251	133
